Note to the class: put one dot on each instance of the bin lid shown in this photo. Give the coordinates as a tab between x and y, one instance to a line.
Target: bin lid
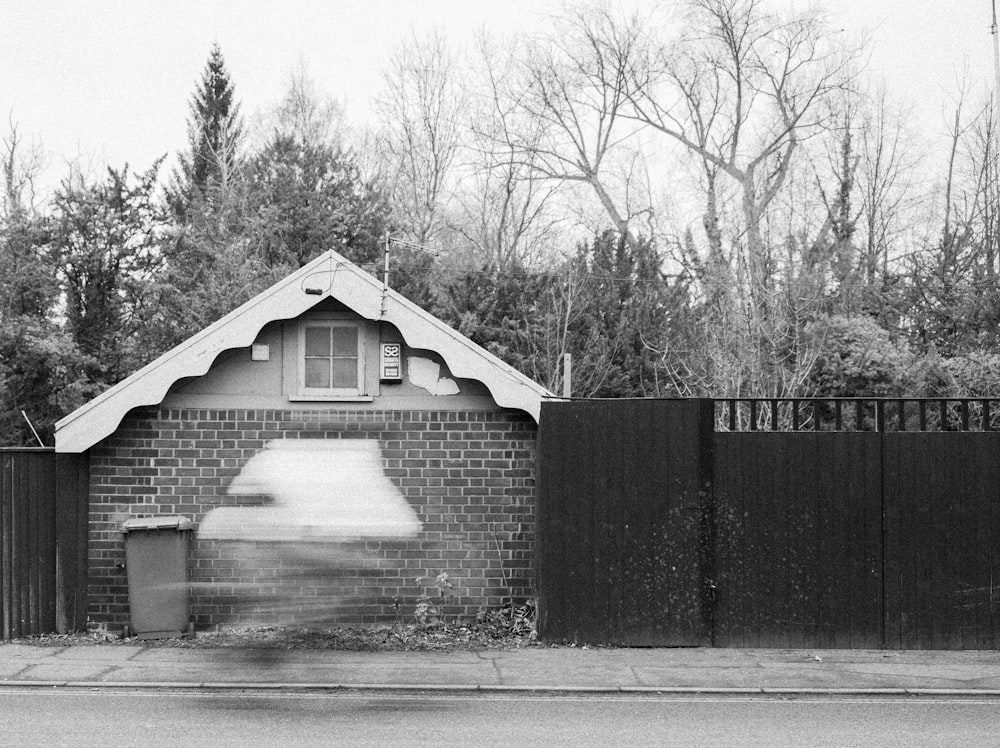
167	522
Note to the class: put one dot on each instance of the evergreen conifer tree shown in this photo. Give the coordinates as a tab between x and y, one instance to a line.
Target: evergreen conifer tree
215	139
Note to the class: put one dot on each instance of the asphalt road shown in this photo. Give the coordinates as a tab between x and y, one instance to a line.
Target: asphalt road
102	717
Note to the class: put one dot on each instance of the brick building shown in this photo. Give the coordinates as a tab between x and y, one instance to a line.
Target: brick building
342	391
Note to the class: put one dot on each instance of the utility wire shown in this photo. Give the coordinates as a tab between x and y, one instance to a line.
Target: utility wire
985	283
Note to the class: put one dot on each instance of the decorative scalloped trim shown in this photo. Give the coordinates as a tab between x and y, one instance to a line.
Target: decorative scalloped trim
288	299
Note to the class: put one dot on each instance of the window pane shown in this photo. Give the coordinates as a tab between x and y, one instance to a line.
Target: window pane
345	372
317	372
317	341
345	341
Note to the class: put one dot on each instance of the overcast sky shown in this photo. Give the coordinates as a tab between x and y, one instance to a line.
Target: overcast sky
108	82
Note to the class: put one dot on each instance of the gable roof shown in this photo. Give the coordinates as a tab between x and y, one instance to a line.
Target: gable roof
329	275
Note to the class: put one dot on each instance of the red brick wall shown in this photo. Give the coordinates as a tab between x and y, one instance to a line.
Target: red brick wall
468	475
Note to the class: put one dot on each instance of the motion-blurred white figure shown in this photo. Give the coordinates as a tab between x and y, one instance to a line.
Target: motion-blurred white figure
322	490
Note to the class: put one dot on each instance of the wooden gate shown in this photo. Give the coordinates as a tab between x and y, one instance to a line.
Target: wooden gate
840	524
43	542
623	521
861	531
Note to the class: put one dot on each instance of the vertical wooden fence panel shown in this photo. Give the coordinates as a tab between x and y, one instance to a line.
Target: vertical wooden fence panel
987	548
620	522
594	622
555	604
798	539
43	521
676	560
734	528
942	492
893	564
28	539
6	544
72	516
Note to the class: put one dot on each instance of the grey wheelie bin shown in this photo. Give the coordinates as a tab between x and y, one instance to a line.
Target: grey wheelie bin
156	559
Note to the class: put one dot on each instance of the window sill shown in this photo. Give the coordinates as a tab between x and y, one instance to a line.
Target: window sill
331	398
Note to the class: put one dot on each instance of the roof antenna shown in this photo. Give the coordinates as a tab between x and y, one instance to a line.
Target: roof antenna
385	260
30	426
395	241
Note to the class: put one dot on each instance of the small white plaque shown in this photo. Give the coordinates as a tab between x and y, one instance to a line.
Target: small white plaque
260	352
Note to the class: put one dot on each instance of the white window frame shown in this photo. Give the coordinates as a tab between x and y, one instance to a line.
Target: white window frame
304	393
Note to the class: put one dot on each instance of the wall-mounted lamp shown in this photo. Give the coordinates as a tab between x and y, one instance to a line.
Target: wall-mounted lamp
314	291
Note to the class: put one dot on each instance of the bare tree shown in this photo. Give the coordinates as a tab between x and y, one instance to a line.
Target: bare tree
503	204
26	284
844	221
983	165
304	113
887	163
573	86
420	112
21	164
741	91
953	275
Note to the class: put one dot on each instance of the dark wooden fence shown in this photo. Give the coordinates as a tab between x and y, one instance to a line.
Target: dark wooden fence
621	523
43	542
842	524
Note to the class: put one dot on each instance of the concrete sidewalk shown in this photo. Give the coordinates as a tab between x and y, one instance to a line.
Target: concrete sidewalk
531	669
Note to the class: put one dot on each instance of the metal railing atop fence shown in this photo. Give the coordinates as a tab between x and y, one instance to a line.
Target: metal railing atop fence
857	414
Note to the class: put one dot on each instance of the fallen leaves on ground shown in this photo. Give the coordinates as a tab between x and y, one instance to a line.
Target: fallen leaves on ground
375	638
